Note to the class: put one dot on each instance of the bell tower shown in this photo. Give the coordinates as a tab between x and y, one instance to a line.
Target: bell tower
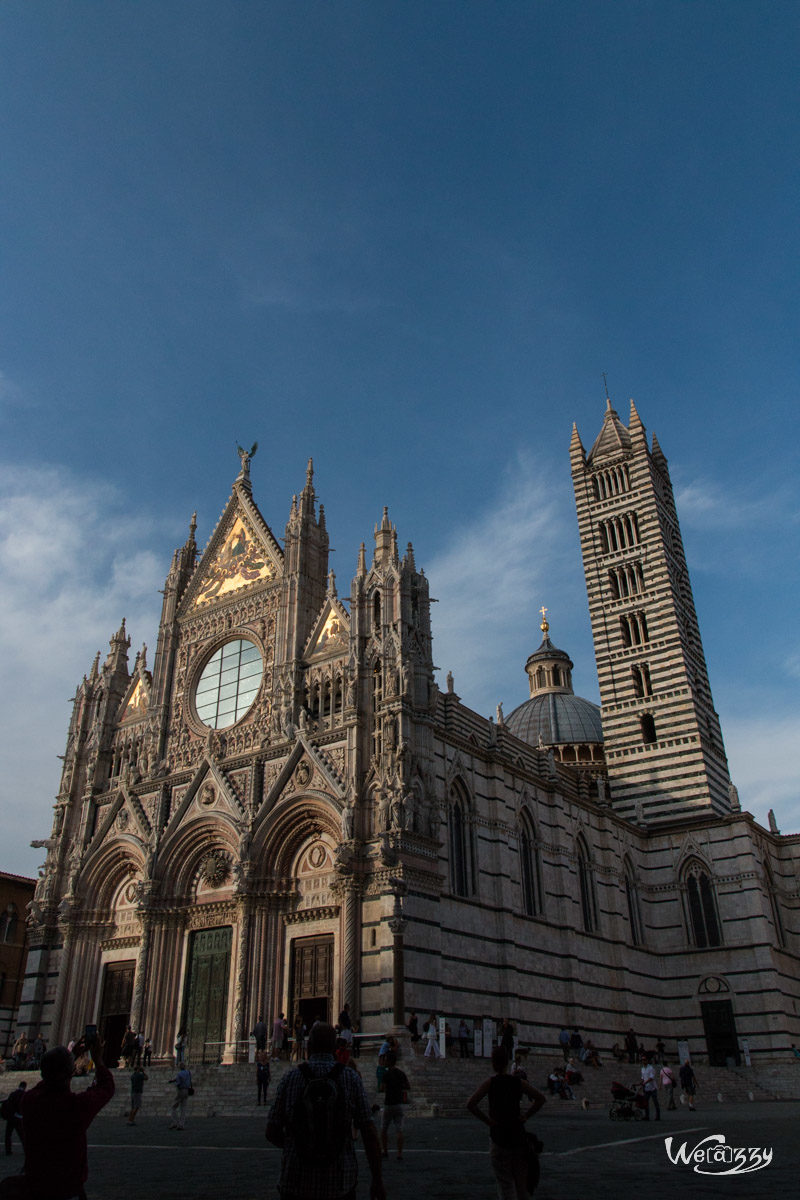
662	737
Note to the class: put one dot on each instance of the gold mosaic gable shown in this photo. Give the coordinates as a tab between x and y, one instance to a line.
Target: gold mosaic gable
137	703
332	638
239	562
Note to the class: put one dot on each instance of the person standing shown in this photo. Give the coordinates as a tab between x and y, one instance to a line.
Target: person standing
432	1047
262	1074
507	1038
688	1083
13	1115
631	1045
180	1049
183	1090
413	1027
278	1026
55	1120
463	1038
315	1108
509	1152
669	1081
563	1041
138	1080
650	1087
396	1095
147	1053
260	1034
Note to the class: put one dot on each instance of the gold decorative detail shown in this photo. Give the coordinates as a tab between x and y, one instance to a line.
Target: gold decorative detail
545	628
137	705
333	637
239	562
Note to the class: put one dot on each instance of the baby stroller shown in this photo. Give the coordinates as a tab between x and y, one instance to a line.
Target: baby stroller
627	1104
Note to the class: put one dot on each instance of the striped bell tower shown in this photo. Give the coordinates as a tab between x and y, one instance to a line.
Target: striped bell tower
662	737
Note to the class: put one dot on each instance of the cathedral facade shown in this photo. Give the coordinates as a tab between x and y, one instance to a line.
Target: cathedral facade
287	814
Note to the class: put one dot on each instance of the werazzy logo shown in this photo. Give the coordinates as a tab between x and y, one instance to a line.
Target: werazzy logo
712	1156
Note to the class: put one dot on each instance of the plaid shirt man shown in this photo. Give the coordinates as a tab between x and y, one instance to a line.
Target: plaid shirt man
302	1179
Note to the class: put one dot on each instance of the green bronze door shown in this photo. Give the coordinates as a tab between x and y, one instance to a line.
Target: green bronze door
206	1004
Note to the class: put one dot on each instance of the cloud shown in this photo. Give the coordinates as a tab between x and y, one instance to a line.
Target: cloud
763	764
706	505
68	572
490	581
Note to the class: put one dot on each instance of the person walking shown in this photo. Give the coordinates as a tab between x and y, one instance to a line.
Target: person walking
138	1080
650	1086
396	1095
55	1120
183	1090
668	1081
312	1117
263	1075
688	1083
510	1151
12	1114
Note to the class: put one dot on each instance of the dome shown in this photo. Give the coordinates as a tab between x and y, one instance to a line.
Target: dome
557	718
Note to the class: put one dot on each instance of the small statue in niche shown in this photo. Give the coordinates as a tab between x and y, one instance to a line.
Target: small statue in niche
348	821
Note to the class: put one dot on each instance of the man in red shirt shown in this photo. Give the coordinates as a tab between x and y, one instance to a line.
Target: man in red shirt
54	1124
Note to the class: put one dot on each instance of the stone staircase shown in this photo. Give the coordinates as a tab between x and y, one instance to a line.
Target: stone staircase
439	1087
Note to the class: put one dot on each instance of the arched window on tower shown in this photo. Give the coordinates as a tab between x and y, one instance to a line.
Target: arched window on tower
586	884
376	612
701	903
632	899
460	839
529	868
8	924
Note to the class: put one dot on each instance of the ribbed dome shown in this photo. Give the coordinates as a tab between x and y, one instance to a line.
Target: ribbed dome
557	718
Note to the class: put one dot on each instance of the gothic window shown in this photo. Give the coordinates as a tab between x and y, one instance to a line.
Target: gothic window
632	898
586	884
460	844
376	613
648	727
640	674
530	875
702	907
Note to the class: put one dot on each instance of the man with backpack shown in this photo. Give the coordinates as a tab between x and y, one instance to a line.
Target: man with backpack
311	1119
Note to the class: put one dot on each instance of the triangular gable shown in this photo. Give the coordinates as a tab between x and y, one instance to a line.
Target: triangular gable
136	701
125	815
241	553
612	438
303	751
209	791
330	637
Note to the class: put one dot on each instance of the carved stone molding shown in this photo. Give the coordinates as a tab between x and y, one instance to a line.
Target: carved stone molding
304	915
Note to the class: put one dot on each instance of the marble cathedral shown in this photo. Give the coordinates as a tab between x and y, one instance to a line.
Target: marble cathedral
286	813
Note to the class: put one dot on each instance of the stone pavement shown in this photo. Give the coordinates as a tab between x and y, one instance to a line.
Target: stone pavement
586	1155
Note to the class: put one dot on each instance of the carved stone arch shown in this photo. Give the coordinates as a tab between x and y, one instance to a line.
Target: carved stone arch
688	851
106	868
181	855
279	836
714	985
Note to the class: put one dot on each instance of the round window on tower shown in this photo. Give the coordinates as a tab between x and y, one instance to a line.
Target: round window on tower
228	684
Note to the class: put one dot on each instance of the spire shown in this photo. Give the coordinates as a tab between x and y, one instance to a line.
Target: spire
410	557
613	435
659	457
545	628
192	530
321	521
635	425
309	488
361	569
383	538
95	671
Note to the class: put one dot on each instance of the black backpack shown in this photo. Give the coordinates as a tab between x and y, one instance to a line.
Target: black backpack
321	1116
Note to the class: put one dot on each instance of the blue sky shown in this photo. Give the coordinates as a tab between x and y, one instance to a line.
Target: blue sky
406	239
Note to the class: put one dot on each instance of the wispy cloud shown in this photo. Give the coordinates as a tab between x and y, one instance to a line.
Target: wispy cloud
706	505
762	756
72	564
492	578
